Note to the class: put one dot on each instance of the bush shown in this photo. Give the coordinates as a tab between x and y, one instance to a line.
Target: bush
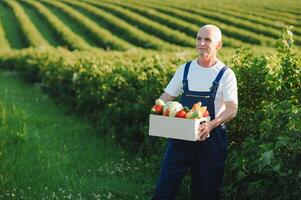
267	166
265	153
116	90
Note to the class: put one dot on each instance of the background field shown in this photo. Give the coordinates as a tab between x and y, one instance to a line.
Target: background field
78	78
158	25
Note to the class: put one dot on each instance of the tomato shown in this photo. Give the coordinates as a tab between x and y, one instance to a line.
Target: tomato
206	114
157	109
181	114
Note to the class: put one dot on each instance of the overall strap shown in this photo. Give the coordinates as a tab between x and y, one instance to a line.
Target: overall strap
215	83
185	80
213	91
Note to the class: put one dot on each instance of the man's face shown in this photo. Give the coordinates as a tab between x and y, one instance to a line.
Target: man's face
207	43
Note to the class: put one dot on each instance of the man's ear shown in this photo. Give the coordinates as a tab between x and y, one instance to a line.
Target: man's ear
219	45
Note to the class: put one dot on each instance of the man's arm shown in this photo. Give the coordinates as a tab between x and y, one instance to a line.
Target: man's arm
166	97
225	116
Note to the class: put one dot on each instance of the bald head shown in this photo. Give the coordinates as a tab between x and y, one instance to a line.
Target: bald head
217	34
208	41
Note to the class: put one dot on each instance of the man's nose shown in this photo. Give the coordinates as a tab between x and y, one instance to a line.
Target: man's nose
202	42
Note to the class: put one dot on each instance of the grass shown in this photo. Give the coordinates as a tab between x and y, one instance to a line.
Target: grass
11	28
46	154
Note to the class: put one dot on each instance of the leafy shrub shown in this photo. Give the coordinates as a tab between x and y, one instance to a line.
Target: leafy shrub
267	166
265	153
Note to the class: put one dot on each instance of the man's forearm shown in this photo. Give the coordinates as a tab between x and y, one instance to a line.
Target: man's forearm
225	116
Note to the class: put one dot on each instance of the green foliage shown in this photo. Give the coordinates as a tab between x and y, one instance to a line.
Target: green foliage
266	166
251	80
108	87
289	75
266	143
116	90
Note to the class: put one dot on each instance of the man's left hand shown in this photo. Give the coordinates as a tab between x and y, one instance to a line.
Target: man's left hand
204	131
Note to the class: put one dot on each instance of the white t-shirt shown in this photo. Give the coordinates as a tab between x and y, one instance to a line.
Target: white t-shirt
200	79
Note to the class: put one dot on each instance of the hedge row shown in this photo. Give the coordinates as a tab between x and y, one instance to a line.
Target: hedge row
147	25
31	35
112	88
102	36
72	40
175	23
129	32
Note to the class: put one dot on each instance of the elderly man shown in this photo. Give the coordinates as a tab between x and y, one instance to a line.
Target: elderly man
208	80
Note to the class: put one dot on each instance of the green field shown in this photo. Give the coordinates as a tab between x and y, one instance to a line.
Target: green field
78	79
151	24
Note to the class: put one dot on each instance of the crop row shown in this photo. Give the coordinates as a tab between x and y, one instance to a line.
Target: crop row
4	44
245	27
254	12
233	10
152	24
267	20
61	30
230	31
147	25
256	28
100	35
31	35
292	7
129	32
289	14
238	13
175	23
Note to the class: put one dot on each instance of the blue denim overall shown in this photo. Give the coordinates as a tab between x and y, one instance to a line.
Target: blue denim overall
205	159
